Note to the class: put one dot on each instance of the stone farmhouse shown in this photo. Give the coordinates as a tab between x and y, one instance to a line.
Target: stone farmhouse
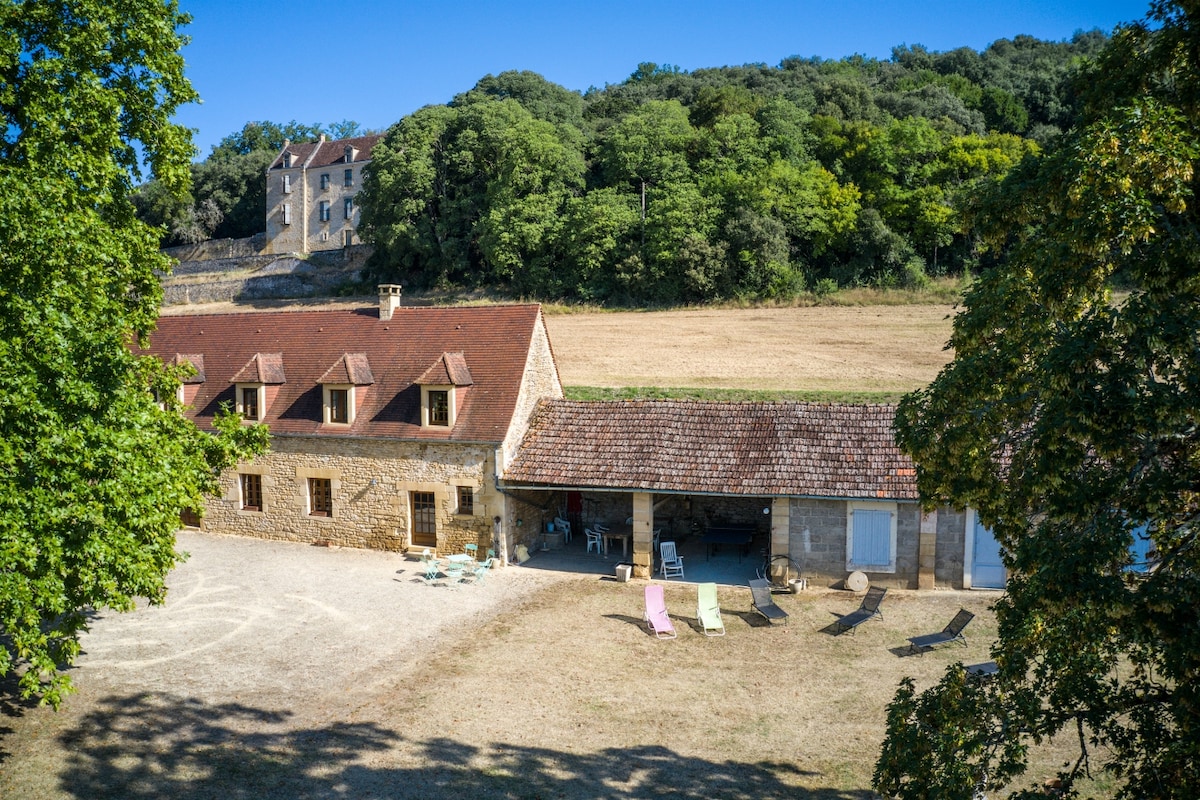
311	189
404	428
388	426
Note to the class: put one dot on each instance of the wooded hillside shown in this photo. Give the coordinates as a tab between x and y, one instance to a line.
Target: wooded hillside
751	181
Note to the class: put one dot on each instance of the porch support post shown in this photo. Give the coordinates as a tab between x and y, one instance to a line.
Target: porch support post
781	529
643	525
927	551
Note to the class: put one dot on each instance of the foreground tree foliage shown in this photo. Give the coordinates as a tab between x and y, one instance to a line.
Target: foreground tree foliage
93	473
1070	419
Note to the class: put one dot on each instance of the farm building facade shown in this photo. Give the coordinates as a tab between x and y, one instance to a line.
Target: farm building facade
405	428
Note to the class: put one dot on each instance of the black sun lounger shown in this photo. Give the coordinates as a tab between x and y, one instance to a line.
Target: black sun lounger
760	590
868	609
951	633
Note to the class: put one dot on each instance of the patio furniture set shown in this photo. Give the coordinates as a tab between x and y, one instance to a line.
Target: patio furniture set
456	569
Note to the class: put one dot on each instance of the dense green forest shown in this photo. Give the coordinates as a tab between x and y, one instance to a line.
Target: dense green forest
751	182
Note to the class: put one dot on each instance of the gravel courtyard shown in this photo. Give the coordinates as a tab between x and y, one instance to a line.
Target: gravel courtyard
279	670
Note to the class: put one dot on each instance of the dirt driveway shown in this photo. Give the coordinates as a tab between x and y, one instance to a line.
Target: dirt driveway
278	670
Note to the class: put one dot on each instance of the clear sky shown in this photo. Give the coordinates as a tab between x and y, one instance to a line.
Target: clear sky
374	62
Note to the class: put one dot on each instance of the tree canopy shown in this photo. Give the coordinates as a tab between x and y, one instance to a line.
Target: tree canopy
738	182
1069	420
93	472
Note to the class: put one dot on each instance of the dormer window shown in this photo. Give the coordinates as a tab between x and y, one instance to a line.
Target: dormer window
439	407
287	160
442	386
342	388
338	405
250	401
256	384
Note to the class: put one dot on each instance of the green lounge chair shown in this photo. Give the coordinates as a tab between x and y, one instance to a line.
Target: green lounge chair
708	610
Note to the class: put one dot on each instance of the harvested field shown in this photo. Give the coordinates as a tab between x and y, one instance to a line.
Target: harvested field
865	349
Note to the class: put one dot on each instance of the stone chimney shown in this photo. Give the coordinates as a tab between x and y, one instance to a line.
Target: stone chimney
389	300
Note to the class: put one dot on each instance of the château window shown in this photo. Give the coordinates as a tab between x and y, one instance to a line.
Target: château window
348	207
349	177
466	500
287	184
324	210
287	213
324	181
251	492
320	497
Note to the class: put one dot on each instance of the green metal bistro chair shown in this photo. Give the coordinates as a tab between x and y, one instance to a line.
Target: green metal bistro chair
472	550
482	570
431	566
455	571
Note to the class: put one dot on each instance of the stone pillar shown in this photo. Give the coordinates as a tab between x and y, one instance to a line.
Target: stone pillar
927	551
643	534
781	526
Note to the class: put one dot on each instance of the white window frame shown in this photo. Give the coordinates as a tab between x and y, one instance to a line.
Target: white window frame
240	407
892	509
348	207
323	211
324	181
427	407
327	404
241	490
287	213
348	177
287	184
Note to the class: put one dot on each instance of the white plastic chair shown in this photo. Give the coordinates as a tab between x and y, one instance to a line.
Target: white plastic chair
563	527
672	563
594	539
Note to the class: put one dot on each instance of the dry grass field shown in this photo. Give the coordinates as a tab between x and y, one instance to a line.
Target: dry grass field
866	349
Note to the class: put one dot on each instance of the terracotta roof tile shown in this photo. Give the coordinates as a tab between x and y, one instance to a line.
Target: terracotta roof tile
494	339
449	370
262	368
197	362
352	368
764	449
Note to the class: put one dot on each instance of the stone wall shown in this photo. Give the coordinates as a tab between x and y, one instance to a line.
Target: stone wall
540	380
951	548
818	543
214	249
371	480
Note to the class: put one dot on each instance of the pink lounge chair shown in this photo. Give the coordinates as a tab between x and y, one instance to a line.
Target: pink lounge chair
656	616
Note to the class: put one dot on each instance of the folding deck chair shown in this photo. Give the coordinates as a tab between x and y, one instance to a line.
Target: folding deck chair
868	609
951	633
708	610
760	597
656	616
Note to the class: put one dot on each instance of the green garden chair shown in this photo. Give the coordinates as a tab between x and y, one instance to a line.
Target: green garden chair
708	610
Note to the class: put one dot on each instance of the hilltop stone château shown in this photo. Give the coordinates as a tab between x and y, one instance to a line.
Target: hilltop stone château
311	191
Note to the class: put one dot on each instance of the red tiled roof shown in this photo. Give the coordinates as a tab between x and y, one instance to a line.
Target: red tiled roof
197	362
262	368
328	153
494	340
450	370
352	368
764	449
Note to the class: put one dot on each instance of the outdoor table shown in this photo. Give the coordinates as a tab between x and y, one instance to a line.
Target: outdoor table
625	534
740	535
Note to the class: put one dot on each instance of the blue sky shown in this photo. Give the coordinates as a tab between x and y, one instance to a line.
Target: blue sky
374	62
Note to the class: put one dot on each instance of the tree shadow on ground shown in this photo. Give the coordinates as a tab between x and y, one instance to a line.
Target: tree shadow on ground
155	745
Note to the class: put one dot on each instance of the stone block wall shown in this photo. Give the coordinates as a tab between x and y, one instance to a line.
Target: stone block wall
951	548
540	380
371	480
818	543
